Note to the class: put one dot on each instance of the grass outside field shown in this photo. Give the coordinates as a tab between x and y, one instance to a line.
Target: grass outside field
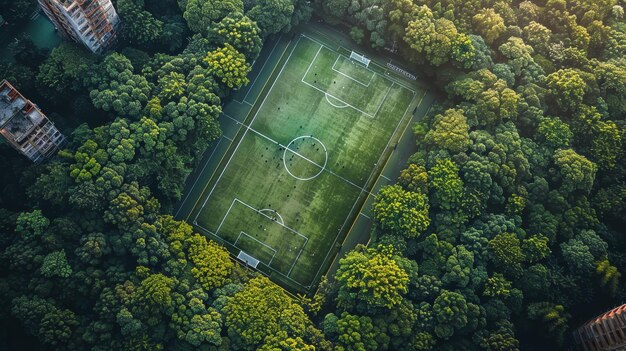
286	193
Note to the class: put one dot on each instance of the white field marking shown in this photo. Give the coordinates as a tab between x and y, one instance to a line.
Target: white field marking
198	177
302	156
274	212
349	77
297	258
270	218
380	104
346	180
258	241
248	128
368	179
364	215
307	159
257	76
270	268
372	63
332	104
227	138
216	233
336	98
238	123
384	176
385	99
224	218
321	167
312	61
306	239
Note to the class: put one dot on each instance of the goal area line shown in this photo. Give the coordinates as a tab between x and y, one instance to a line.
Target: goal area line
261	212
280	275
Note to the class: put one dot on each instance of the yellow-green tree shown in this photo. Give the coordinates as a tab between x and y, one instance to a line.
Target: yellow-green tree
401	212
449	132
609	275
372	277
262	309
212	264
229	66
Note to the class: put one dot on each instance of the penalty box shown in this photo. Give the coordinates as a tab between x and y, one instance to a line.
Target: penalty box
348	82
261	234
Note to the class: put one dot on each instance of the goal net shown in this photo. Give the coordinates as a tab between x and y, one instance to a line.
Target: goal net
360	58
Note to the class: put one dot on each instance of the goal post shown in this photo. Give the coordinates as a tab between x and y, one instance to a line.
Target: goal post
360	58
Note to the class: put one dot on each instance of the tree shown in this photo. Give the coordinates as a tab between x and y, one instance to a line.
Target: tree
201	15
567	87
609	276
356	333
537	36
506	253
458	268
271	16
154	295
240	32
611	80
117	89
282	342
93	247
31	224
371	277
575	171
452	312
519	55
55	265
229	66
449	131
497	286
140	26
43	319
430	37
194	322
551	317
463	51
535	248
66	68
606	144
212	264
414	178
401	212
578	257
488	24
52	185
262	309
445	184
554	132
172	86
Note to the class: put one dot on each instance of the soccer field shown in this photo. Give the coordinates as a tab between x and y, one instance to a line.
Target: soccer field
284	195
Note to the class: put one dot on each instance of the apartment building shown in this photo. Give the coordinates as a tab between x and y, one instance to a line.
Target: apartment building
606	332
25	127
94	23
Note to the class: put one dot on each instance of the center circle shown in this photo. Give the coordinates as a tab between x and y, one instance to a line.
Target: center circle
303	149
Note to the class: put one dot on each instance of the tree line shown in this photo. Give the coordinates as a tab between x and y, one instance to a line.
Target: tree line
502	233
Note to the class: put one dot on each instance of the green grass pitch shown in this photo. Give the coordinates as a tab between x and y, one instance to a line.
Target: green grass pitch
287	190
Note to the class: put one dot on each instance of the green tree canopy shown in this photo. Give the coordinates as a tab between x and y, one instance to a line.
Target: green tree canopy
401	212
371	277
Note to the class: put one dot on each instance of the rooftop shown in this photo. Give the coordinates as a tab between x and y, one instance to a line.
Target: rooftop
17	115
9	106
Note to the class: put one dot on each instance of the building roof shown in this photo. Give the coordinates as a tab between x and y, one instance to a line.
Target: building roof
18	116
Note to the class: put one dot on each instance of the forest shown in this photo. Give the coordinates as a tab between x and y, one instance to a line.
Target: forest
505	231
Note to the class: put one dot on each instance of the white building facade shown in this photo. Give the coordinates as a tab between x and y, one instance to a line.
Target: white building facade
94	23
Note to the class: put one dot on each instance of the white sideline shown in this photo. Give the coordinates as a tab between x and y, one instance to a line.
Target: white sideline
249	128
354	79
